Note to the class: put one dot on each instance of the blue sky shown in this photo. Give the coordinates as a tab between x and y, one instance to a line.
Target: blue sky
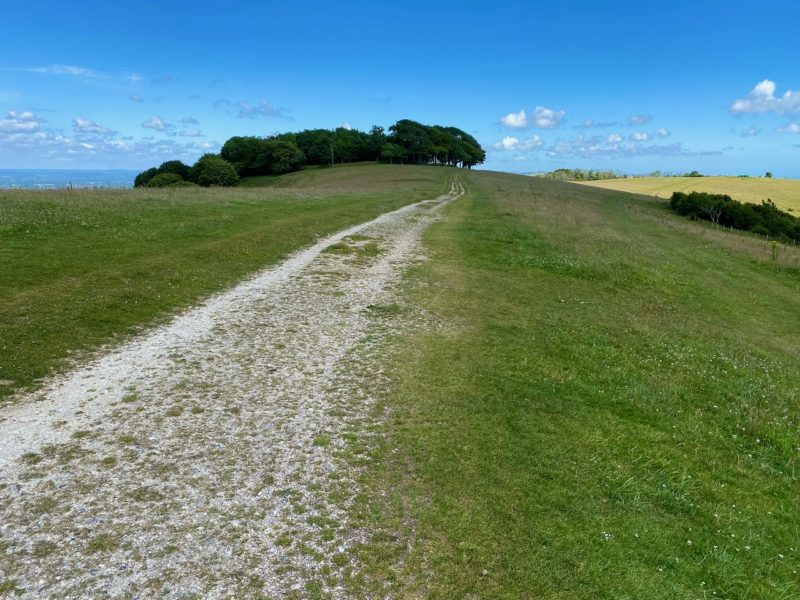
630	86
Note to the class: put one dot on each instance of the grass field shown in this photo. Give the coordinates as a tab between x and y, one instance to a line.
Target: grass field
605	405
598	399
82	268
784	192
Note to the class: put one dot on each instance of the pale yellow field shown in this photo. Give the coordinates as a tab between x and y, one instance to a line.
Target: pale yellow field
785	193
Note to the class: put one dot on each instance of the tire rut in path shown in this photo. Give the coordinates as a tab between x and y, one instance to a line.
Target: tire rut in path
199	459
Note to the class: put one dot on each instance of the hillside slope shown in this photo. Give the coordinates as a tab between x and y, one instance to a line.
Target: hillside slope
604	404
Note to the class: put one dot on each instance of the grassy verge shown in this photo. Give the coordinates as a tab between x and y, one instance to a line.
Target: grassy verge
607	408
82	268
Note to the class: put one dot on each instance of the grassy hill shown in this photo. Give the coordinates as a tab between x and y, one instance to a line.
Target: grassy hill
784	192
79	268
604	405
598	398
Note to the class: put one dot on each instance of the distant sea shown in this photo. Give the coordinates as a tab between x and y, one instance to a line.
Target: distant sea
43	179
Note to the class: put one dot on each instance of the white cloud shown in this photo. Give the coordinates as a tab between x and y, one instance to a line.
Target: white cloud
190	121
750	131
547	118
157	123
345	126
191	133
790	128
662	132
513	143
614	138
135	98
639	136
20	122
592	123
68	70
507	143
639	119
250	111
47	147
88	126
245	110
762	99
598	147
515	120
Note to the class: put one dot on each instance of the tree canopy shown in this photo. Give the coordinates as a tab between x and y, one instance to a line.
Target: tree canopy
406	142
211	169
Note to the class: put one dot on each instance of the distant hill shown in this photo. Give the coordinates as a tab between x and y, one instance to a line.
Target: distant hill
784	192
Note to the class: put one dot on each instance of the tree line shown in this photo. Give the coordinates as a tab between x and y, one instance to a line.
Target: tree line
406	142
763	219
581	175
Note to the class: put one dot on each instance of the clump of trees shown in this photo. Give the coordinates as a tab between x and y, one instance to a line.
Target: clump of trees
262	156
763	219
406	142
210	169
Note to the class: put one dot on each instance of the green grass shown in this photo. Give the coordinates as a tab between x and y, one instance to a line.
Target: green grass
607	407
784	192
79	269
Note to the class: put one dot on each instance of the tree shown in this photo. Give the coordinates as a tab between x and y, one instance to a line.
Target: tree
284	156
145	176
315	144
377	138
249	155
391	152
768	174
212	169
176	167
712	208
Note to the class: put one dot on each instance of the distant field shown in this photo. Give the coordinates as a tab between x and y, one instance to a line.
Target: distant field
81	268
784	192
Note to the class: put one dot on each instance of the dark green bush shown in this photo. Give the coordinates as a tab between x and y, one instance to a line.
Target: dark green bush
177	167
763	219
183	184
164	180
144	177
212	169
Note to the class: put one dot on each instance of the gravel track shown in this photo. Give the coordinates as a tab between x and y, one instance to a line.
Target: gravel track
204	459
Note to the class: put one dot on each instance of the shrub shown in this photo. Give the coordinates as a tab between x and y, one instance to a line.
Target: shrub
212	169
164	180
763	219
182	184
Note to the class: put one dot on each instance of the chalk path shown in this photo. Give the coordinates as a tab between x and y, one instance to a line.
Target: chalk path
200	459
